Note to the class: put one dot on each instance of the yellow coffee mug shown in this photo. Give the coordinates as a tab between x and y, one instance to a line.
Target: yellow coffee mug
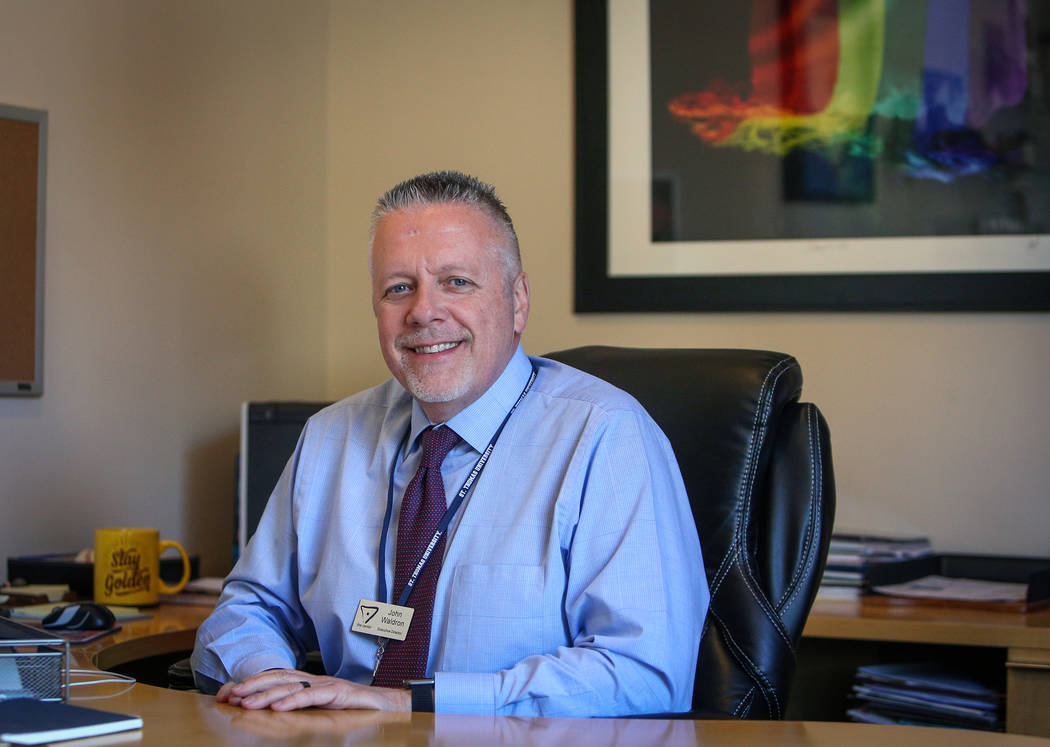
127	566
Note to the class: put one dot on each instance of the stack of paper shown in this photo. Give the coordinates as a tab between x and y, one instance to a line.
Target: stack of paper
956	589
31	594
924	695
852	554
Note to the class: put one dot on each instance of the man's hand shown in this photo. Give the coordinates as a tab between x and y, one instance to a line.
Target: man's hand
290	689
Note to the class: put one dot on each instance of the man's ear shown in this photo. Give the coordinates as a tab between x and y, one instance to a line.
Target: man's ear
521	302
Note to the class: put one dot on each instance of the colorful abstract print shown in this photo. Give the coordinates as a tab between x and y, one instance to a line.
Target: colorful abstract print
909	81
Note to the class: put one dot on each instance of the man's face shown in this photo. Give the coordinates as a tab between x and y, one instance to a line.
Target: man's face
448	318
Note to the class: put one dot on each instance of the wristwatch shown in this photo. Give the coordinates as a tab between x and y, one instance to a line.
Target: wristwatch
422	694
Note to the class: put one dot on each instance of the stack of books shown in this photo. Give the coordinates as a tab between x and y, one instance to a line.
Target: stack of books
924	695
852	555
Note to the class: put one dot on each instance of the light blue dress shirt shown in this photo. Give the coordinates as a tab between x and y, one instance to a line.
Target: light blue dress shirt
572	583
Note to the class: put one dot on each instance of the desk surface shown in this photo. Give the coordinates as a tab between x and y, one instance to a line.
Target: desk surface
856	619
172	717
171	629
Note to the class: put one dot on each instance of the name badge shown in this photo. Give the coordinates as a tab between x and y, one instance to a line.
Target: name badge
385	620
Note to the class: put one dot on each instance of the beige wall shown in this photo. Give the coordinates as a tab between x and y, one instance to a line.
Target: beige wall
212	165
185	249
940	422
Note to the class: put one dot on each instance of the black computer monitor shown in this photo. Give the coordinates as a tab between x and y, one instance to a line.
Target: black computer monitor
269	432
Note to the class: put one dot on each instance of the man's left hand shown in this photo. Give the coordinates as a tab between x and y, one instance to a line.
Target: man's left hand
290	689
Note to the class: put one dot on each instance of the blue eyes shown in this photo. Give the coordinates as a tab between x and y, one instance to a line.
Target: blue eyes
399	289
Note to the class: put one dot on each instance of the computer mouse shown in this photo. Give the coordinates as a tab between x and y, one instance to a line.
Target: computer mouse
80	616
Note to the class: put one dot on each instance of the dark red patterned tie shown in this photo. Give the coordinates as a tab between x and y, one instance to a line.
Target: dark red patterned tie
421	512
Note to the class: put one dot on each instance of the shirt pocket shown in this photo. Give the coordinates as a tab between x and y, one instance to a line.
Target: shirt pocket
496	616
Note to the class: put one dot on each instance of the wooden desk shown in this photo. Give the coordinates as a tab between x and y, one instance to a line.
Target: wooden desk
174	717
1024	641
171	630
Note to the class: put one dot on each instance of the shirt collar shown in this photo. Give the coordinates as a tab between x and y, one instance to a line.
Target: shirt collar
478	421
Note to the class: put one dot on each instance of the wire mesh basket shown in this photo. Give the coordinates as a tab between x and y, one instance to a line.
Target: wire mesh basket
33	663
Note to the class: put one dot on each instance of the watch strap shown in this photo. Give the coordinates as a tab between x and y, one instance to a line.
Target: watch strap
422	694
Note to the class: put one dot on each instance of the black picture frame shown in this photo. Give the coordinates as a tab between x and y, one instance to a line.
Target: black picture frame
598	291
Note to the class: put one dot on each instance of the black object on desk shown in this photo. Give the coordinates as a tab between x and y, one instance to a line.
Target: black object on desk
1032	571
29	721
269	433
61	568
80	616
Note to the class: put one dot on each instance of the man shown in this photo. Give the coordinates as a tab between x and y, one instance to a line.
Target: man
567	578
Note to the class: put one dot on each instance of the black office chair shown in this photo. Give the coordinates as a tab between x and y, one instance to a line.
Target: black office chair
757	467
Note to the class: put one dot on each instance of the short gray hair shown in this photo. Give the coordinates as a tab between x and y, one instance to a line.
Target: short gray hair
453	187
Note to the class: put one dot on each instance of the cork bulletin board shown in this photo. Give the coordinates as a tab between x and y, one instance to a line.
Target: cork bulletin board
23	140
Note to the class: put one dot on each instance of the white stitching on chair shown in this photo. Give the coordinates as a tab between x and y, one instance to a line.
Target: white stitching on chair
809	547
817	493
744	703
765	396
762	413
739	540
723	567
738	653
764	605
743	661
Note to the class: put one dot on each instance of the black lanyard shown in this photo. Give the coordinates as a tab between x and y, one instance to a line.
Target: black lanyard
450	512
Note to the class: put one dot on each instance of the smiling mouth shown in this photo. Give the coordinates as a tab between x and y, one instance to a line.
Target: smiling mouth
440	347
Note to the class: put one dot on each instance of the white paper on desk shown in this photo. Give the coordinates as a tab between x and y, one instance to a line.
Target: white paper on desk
206	585
957	589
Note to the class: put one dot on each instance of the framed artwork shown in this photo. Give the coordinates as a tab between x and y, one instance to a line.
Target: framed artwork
812	155
23	170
